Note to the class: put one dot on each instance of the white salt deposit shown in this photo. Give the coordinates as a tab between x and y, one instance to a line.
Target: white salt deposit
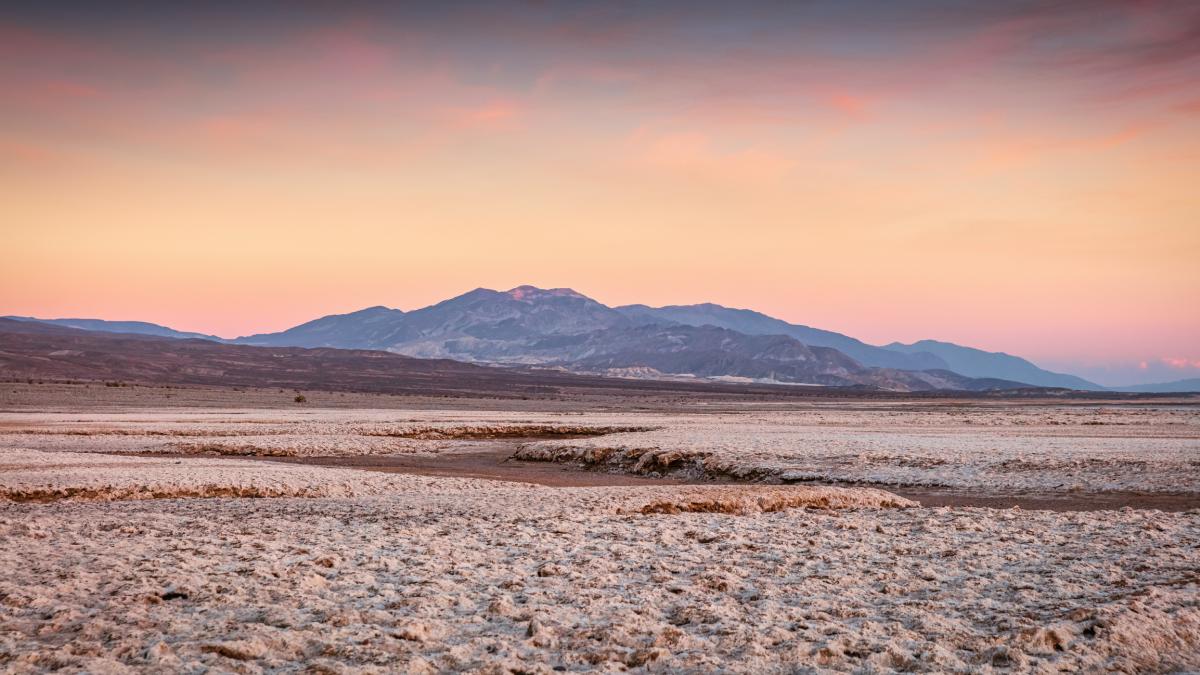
497	578
1033	448
104	569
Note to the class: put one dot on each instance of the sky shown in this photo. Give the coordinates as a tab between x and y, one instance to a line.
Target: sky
1017	176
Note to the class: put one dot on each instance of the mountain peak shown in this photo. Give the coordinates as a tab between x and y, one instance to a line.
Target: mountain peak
528	292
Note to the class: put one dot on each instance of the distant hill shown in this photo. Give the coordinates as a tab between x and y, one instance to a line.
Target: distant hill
357	330
978	363
755	323
1190	385
134	327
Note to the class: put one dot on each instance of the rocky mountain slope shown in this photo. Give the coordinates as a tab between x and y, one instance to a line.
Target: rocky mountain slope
357	330
755	323
1189	385
978	363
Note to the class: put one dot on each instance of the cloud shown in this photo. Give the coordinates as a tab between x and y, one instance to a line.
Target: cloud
1015	150
852	105
1181	363
492	114
1191	107
23	153
697	154
66	89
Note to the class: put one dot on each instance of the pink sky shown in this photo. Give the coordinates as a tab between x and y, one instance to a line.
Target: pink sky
1016	180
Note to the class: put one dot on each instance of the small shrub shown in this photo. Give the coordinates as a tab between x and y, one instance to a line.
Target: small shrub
300	398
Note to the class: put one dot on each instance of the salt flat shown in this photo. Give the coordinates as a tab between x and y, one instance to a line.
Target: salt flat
1047	447
130	540
1067	448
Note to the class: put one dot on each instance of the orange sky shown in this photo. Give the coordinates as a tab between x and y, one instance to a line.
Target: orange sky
1022	181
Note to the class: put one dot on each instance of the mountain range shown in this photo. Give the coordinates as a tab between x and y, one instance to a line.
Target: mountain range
1188	385
563	329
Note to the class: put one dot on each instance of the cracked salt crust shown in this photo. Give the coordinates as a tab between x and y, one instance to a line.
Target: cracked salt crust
492	578
32	475
383	573
281	433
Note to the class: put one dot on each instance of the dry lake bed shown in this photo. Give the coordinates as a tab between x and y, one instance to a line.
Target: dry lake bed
207	530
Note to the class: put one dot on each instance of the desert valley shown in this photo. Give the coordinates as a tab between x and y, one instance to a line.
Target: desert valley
545	521
556	336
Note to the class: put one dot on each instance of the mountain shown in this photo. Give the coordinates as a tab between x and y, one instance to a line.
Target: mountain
1189	385
566	329
356	330
135	327
978	363
481	325
755	323
497	326
36	350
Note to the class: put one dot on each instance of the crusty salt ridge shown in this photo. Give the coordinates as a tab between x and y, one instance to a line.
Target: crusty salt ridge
748	500
36	476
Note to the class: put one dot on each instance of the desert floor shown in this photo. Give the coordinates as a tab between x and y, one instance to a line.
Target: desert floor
195	529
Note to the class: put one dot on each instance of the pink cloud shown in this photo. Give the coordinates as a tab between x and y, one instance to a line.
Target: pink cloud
490	114
1181	363
586	73
1016	150
69	90
1190	107
234	131
24	152
852	105
696	153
